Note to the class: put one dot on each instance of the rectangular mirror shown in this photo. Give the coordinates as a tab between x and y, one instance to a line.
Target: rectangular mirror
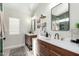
60	17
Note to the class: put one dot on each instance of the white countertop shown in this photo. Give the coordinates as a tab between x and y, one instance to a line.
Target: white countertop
63	44
31	34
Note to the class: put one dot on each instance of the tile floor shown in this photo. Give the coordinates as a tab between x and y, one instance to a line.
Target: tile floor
29	53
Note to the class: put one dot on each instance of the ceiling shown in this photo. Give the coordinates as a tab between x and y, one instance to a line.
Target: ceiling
26	8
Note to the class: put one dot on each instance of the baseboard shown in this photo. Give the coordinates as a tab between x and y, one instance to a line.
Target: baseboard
14	46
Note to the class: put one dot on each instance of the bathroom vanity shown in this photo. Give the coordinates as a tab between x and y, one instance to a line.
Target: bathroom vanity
28	40
48	47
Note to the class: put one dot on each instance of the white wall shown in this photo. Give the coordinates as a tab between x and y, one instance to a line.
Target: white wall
74	17
74	14
15	40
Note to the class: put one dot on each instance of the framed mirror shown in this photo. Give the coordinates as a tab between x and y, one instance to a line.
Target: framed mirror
60	17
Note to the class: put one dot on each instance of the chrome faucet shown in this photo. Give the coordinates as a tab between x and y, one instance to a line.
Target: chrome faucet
56	36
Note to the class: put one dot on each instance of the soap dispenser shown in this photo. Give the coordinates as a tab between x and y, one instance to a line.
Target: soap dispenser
46	34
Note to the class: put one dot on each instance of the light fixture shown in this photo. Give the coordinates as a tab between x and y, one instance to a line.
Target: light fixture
42	16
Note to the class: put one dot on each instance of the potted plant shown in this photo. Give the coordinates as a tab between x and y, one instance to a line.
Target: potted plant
77	25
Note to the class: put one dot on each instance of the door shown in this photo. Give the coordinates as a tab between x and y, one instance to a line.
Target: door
1	47
1	39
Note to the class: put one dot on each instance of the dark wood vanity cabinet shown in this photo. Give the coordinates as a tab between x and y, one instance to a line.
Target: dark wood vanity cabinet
42	49
28	40
46	49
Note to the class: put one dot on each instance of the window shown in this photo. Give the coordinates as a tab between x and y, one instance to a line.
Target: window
14	26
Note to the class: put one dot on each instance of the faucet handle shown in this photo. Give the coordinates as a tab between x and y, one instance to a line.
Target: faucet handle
49	34
62	38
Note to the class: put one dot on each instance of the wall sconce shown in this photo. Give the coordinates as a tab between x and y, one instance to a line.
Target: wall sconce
42	16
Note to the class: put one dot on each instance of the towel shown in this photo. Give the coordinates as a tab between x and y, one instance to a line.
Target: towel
2	27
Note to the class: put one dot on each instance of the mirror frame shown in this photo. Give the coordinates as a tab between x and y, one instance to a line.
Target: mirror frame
69	16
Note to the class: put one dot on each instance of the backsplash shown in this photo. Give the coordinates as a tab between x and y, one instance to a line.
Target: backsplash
65	35
75	34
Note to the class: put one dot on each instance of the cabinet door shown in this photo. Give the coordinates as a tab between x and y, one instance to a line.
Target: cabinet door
44	50
53	53
28	40
64	52
61	51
